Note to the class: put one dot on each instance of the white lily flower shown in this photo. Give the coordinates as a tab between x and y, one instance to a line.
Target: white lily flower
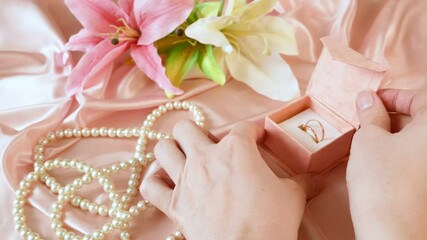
252	43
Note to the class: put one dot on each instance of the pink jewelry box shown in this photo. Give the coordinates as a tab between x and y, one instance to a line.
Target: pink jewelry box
340	74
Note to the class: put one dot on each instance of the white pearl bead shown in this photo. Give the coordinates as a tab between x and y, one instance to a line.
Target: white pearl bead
75	201
23	233
57	163
103	132
151	117
170	237
177	105
113	196
84	204
119	132
68	236
117	223
125	235
141	205
86	132
60	232
93	208
156	113
59	134
94	132
43	141
87	179
111	132
112	212
73	163
150	157
55	188
38	157
124	165
95	174
128	132
115	168
148	123
68	133
102	210
135	132
134	211
125	216
65	164
107	228
169	106
38	149
77	132
185	105
98	235
162	108
133	183
32	176
178	235
108	187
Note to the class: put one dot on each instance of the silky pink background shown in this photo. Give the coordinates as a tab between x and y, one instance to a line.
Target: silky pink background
32	100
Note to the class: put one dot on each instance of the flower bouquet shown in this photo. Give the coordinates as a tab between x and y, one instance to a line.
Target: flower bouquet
169	38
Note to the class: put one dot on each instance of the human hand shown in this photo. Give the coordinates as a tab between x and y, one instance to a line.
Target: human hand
223	190
387	172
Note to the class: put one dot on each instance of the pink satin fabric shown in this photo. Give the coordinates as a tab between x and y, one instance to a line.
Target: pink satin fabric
33	101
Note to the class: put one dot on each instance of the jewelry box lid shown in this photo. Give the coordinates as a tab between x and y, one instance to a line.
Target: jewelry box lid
340	74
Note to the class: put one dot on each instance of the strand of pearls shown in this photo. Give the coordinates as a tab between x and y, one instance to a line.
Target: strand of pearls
120	210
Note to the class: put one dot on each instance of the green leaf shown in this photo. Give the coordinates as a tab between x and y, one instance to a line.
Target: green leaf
209	65
179	61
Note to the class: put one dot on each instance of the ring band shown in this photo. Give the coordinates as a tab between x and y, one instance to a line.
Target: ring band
310	130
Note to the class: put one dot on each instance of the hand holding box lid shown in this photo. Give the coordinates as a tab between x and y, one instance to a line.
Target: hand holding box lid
340	74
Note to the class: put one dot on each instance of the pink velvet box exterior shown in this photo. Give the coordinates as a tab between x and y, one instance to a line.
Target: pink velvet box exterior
340	74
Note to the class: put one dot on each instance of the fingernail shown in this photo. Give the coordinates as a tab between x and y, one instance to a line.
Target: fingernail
365	100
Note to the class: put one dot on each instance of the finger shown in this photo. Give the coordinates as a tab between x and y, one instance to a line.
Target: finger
371	111
189	135
157	192
170	157
311	184
247	130
399	122
409	102
162	175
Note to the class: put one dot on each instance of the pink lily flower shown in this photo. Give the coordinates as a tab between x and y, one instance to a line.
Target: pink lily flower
110	29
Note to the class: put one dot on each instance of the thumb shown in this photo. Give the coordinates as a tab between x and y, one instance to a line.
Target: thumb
311	184
371	110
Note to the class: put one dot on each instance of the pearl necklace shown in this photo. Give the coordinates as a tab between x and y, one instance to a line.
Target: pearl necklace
120	211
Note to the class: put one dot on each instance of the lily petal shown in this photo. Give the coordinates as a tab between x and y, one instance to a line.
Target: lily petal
127	6
181	60
279	8
96	15
91	63
208	30
82	41
148	60
257	9
233	6
275	33
270	76
158	18
210	67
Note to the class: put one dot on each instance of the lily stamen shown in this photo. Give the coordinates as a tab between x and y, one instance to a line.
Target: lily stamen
122	33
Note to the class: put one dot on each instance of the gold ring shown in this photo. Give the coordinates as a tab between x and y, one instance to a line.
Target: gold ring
309	129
